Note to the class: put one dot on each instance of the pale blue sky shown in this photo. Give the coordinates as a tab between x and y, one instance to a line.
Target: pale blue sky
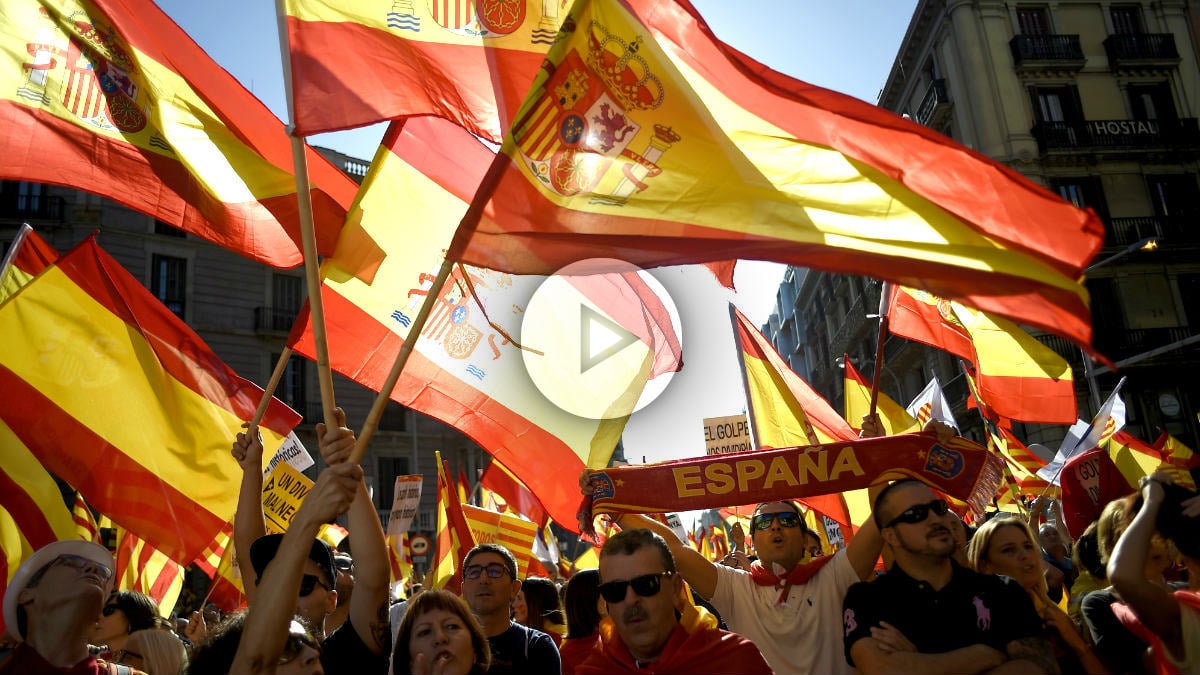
847	45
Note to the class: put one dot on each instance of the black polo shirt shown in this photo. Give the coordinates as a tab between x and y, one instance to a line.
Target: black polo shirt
972	609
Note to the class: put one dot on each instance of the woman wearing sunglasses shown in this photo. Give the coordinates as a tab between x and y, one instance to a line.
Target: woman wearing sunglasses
124	613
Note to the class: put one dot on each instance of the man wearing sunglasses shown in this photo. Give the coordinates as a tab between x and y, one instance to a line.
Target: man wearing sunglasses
50	606
930	615
489	586
646	602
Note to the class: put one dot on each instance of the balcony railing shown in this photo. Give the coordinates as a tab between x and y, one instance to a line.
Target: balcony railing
1047	52
1174	229
1120	343
1141	50
935	105
32	207
1118	134
270	320
1064	348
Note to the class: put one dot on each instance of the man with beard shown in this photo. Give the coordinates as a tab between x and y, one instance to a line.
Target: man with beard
651	626
928	614
489	586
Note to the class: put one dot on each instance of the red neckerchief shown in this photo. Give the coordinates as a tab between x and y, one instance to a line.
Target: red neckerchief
799	575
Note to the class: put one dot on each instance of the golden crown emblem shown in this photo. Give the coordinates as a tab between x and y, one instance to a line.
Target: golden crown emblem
626	73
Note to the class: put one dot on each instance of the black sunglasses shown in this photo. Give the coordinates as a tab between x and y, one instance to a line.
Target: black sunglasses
297	640
343	564
918	513
645	586
109	609
763	521
308	582
494	571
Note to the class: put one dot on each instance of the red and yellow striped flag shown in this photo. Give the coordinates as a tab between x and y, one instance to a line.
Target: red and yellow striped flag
647	140
32	511
1136	458
27	256
118	397
85	522
143	568
454	537
517	535
1019	377
895	418
515	494
111	97
470	62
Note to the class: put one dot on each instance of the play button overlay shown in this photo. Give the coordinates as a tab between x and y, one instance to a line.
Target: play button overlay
601	338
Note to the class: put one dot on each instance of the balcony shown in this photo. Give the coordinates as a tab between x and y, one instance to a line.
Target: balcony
1118	342
1141	51
1064	348
1174	229
32	207
1047	53
935	106
1120	135
268	320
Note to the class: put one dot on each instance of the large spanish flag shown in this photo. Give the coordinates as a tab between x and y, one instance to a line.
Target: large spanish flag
117	396
111	97
646	139
1018	376
465	370
356	62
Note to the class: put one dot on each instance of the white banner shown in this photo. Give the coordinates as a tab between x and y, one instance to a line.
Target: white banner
293	452
405	503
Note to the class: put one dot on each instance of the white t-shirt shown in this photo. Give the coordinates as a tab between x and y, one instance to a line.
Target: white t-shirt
801	635
1190	625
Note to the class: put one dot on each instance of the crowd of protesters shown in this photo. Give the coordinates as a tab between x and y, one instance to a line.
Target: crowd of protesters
916	590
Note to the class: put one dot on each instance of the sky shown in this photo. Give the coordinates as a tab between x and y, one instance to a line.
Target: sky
848	46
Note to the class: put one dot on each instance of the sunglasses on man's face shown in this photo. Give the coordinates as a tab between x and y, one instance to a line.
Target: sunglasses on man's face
81	563
646	586
308	582
297	640
763	521
916	514
494	571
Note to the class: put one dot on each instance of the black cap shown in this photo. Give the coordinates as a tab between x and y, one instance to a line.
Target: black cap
263	551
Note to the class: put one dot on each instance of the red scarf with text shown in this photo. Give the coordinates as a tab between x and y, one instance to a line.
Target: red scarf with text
959	468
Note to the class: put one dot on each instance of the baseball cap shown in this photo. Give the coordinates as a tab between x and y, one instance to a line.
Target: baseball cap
44	556
263	551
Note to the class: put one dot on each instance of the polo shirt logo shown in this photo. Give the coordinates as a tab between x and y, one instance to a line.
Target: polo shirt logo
848	620
983	615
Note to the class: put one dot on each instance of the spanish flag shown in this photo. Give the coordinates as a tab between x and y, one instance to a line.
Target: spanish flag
466	369
1018	376
895	419
469	61
646	139
1136	458
118	397
111	97
27	256
454	535
516	495
32	511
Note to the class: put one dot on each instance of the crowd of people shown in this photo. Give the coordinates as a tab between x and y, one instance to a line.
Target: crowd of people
916	590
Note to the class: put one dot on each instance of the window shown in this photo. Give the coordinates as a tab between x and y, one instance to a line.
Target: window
1056	104
1082	191
389	468
1151	101
1126	19
1033	20
168	282
293	386
287	293
1189	290
1174	195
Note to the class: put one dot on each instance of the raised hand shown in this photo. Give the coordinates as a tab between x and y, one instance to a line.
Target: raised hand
248	448
336	444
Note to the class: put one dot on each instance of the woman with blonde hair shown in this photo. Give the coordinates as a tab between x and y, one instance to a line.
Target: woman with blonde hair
1007	546
154	651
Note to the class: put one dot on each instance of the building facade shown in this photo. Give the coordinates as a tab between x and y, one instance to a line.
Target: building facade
1098	101
244	311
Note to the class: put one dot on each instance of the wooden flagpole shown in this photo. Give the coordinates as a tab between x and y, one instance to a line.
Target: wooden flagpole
272	385
884	306
307	232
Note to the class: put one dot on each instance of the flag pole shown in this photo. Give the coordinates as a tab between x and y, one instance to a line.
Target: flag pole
272	385
884	305
312	275
462	235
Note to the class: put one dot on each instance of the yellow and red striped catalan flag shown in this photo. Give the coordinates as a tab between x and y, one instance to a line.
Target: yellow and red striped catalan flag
454	538
143	568
111	97
118	397
85	522
468	61
647	140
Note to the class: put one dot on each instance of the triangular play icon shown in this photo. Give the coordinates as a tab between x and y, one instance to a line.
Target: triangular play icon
599	338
